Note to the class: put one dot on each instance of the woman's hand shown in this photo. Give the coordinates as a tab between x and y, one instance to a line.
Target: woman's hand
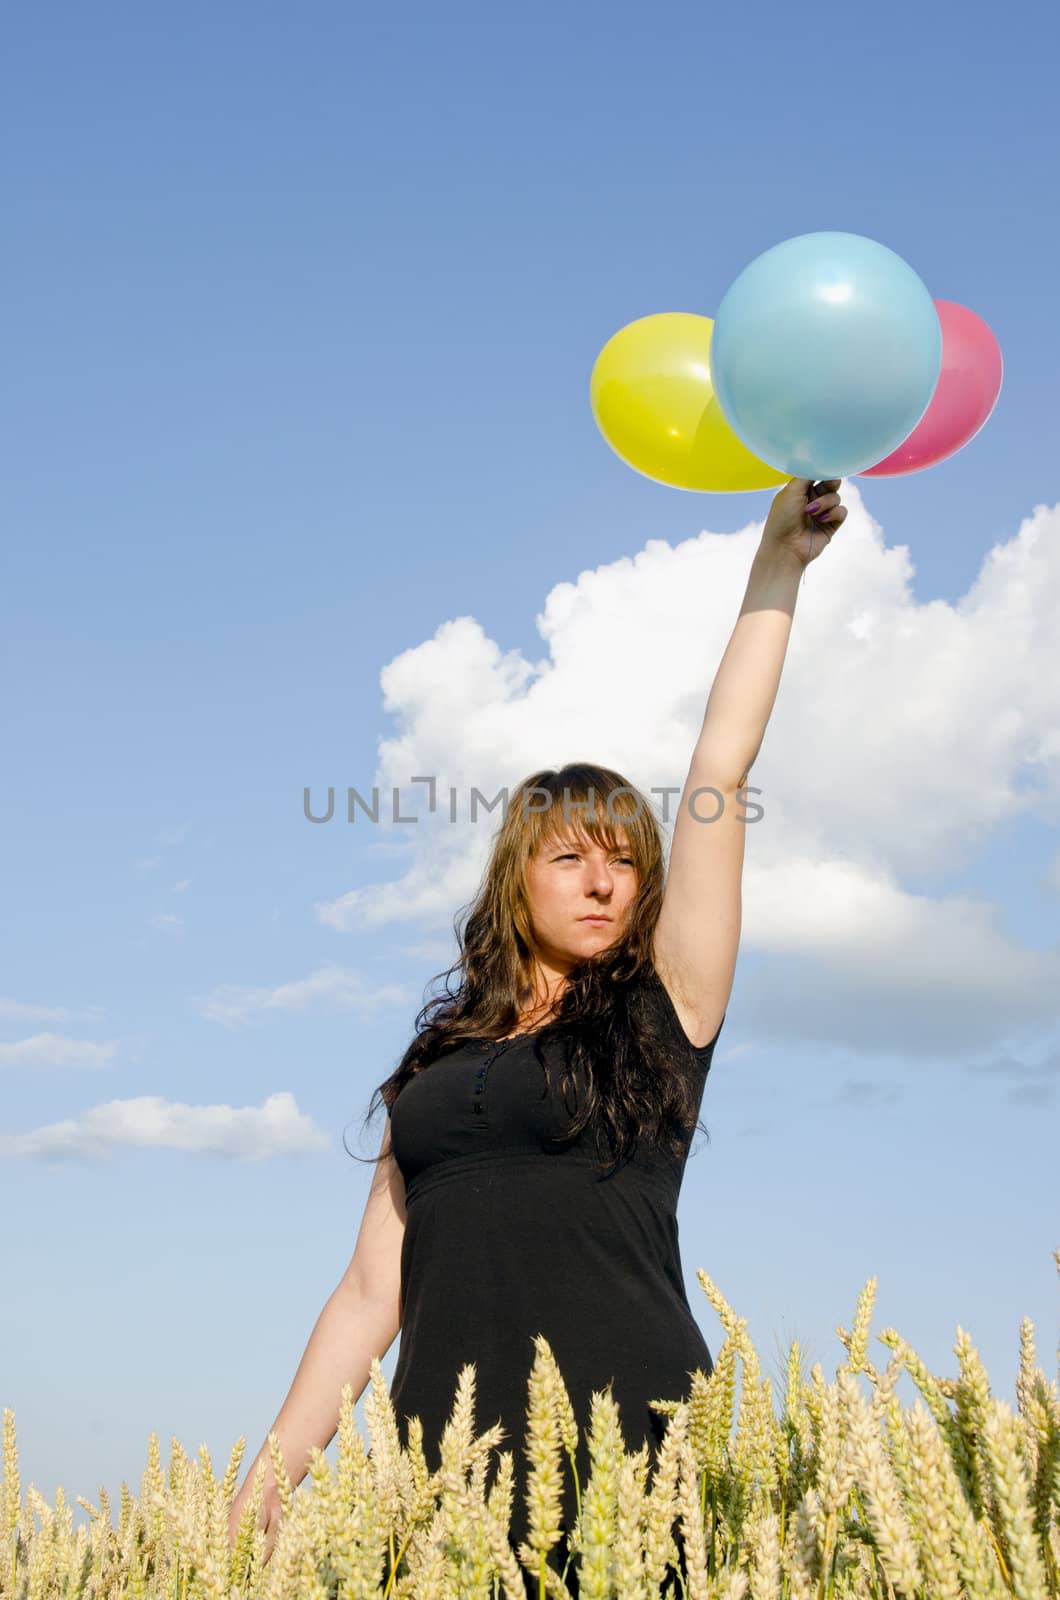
269	1519
792	528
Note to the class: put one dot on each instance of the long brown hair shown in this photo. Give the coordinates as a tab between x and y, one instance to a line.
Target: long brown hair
637	1086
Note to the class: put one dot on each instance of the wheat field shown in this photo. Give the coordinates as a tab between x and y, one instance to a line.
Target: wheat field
834	1490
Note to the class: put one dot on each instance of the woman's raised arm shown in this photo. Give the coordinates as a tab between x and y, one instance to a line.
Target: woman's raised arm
698	932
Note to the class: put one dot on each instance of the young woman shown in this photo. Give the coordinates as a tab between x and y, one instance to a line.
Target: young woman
540	1119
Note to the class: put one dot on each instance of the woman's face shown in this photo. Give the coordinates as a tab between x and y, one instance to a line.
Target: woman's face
570	879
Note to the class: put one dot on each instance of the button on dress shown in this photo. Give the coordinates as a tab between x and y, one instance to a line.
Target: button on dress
506	1238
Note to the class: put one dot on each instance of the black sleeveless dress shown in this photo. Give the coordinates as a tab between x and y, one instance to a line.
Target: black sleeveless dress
505	1239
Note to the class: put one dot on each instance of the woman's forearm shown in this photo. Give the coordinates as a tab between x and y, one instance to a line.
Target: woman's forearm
745	685
348	1333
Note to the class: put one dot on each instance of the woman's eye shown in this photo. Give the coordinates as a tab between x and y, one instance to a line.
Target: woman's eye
572	855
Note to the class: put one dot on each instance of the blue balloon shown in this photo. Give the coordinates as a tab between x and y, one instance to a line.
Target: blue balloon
825	354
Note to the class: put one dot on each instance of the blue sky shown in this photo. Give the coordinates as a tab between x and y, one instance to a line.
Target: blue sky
304	489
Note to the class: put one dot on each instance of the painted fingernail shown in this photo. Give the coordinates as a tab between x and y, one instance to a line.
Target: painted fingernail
815	507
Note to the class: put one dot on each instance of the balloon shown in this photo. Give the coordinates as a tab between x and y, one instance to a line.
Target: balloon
825	355
655	405
967	392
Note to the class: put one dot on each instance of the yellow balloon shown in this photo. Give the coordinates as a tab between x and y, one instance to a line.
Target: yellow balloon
655	405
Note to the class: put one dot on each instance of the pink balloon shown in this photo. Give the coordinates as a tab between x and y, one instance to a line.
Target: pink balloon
965	395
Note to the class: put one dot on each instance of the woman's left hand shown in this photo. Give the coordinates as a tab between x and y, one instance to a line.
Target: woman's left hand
793	528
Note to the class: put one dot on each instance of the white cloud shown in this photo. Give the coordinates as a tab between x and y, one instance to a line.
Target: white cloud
251	1133
21	1011
904	734
429	893
331	988
53	1050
